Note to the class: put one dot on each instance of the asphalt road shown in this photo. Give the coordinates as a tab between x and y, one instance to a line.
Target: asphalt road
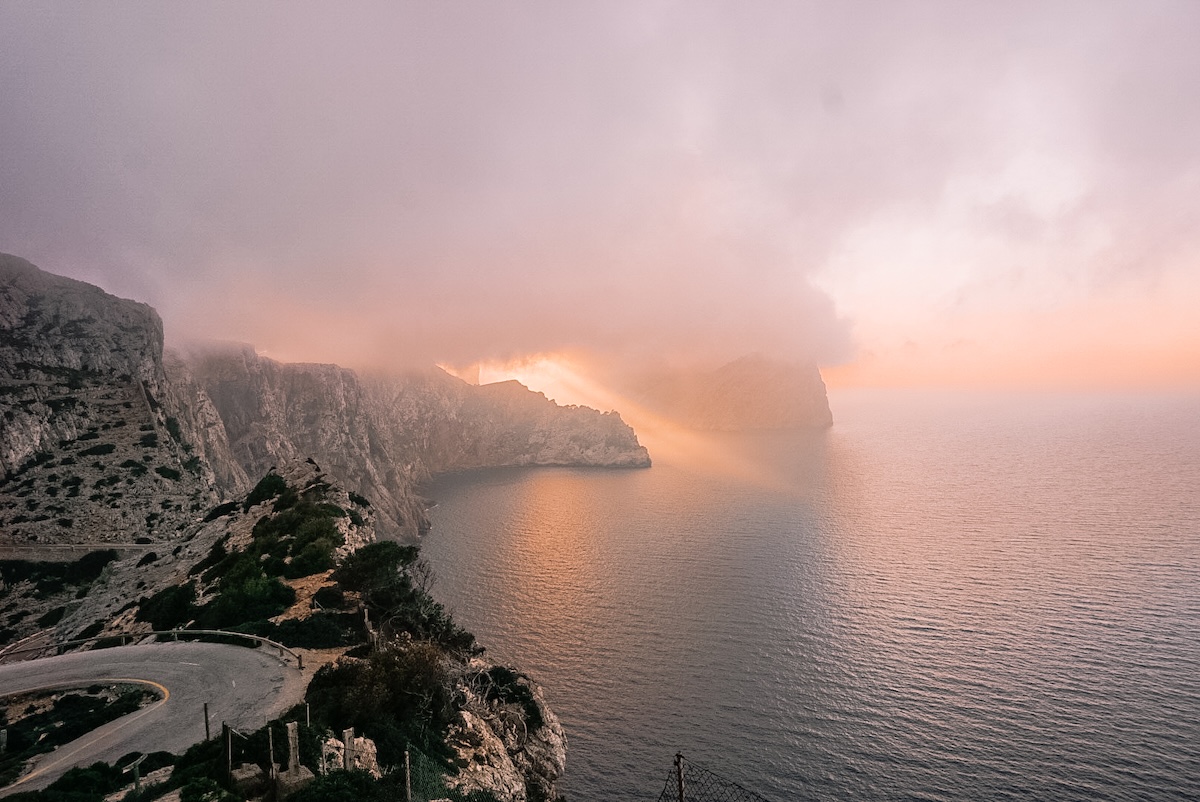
244	687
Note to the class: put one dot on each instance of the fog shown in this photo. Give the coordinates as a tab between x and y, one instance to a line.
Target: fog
407	182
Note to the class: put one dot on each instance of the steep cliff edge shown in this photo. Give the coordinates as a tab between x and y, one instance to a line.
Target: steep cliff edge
297	560
91	448
175	431
384	434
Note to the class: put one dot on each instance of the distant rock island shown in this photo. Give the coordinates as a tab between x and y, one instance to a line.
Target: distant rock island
104	436
750	393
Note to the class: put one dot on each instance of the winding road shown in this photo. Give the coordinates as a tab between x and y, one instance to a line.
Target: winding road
243	687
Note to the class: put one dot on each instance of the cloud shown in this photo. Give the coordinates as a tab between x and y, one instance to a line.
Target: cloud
457	182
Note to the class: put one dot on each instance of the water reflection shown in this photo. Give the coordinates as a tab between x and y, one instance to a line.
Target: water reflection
965	602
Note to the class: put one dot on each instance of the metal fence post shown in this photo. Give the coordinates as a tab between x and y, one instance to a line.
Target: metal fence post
679	774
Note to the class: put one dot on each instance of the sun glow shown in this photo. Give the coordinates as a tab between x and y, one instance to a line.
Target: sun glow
565	381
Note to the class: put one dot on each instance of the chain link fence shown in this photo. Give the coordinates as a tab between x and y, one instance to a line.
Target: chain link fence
689	782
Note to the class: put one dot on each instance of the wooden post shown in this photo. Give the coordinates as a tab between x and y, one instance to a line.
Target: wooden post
3	740
293	734
407	777
348	750
207	734
307	716
227	731
679	774
271	748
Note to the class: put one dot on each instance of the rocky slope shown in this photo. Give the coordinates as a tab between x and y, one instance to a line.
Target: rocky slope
244	565
91	445
385	434
104	437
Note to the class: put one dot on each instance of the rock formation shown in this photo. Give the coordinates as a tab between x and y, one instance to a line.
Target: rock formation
130	442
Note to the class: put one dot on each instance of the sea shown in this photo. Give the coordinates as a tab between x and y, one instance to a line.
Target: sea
945	596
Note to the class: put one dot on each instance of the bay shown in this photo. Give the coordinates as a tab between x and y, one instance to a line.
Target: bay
945	596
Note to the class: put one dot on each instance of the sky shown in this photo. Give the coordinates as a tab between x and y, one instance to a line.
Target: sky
907	193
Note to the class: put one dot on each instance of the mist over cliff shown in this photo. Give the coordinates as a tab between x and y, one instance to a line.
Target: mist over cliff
129	441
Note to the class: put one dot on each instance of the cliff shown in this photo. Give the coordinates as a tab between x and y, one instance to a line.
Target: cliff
297	560
150	438
384	434
90	446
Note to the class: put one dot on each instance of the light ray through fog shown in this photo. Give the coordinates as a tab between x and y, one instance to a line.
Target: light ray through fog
910	189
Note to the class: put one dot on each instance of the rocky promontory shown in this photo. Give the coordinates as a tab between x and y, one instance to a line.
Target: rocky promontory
104	436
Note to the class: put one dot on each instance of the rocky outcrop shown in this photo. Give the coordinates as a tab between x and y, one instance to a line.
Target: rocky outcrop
750	393
89	453
507	740
385	434
80	368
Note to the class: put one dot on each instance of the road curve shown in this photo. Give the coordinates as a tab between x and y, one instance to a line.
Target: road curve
244	687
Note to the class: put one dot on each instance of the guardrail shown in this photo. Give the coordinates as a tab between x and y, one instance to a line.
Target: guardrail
174	634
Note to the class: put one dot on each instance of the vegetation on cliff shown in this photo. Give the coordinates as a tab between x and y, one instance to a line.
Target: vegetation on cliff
402	673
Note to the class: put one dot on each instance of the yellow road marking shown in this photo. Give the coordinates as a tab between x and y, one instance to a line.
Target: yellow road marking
80	744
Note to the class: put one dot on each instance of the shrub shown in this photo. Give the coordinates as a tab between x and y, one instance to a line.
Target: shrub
395	696
147	558
221	510
330	597
167	473
96	451
169	608
318	631
267	488
374	565
53	617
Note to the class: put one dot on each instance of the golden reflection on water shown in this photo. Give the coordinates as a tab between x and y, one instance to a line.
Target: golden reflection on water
552	535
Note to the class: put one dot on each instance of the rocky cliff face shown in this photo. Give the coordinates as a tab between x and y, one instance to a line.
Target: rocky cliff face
82	370
385	434
91	449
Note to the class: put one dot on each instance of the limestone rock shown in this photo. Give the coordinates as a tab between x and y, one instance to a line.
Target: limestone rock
249	780
510	744
180	430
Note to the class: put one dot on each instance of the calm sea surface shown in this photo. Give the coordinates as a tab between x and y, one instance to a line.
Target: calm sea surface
942	597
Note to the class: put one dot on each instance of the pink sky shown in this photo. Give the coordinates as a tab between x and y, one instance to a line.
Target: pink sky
909	193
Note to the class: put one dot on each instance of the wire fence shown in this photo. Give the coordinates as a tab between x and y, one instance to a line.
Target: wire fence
689	782
427	777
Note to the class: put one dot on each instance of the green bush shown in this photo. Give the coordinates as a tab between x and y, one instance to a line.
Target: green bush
374	565
318	631
221	510
169	608
167	473
53	617
96	451
330	597
245	594
267	488
394	697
